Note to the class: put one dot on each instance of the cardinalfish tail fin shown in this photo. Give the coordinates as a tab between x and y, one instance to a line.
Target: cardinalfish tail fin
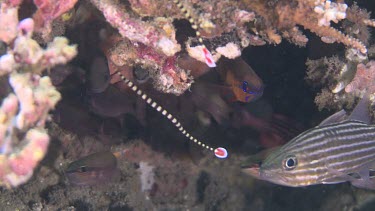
219	152
195	25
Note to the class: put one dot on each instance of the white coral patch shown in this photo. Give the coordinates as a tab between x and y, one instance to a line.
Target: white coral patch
147	176
230	50
330	11
168	47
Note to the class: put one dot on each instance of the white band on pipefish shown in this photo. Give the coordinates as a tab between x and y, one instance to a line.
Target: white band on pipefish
219	152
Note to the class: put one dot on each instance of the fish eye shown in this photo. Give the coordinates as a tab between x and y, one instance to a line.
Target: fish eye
290	162
140	74
82	169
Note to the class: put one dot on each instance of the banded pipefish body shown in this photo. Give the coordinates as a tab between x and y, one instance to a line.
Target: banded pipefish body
340	149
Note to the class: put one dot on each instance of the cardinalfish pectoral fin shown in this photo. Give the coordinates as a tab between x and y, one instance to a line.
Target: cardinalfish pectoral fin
366	176
93	169
245	84
362	177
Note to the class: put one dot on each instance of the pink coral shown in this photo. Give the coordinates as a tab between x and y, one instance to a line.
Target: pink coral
363	79
24	162
8	22
136	30
49	10
24	113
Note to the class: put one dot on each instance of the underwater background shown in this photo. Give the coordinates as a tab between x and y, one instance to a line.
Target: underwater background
248	103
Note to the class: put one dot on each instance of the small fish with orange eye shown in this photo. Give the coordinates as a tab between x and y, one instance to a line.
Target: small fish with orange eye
244	84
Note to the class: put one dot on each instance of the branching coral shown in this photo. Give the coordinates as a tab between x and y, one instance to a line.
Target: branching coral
23	138
264	18
311	14
247	22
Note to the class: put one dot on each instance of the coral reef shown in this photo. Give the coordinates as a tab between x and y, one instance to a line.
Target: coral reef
181	57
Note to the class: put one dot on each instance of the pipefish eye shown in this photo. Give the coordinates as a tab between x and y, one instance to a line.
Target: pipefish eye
290	162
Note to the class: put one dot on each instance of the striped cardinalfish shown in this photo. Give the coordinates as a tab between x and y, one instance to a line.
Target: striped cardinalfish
340	149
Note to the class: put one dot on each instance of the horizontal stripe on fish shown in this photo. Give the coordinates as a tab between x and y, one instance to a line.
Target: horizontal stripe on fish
323	136
310	135
348	165
352	164
320	137
345	153
356	142
307	135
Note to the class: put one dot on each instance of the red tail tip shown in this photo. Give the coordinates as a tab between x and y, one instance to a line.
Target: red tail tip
221	152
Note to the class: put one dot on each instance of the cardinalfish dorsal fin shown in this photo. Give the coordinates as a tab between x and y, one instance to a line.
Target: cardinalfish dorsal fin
361	111
194	24
335	118
219	152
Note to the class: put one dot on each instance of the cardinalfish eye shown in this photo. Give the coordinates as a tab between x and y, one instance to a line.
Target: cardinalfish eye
254	92
83	169
290	162
219	152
